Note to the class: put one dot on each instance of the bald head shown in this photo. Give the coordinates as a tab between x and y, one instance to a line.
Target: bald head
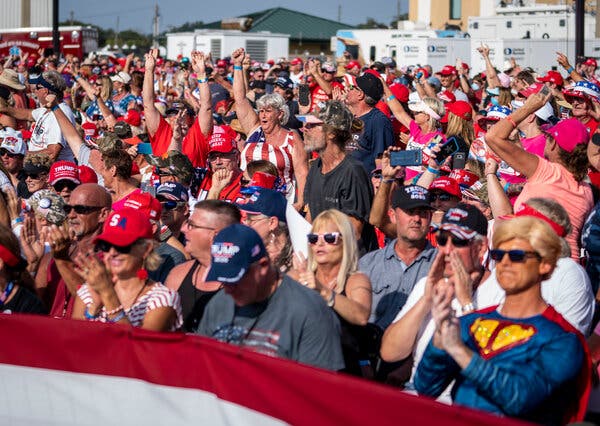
95	194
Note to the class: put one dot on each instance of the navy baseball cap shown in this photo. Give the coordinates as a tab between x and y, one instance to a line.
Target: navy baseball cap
265	201
284	83
233	251
172	191
464	221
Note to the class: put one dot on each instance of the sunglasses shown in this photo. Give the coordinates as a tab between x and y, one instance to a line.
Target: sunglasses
513	255
79	209
441	197
4	152
442	240
244	182
35	176
329	238
170	204
376	175
62	184
104	246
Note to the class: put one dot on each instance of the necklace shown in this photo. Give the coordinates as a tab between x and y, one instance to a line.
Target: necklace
136	296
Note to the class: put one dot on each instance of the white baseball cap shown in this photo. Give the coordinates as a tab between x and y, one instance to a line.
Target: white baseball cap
12	141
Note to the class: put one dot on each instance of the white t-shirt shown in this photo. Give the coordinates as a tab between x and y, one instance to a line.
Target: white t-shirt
46	131
424	335
568	290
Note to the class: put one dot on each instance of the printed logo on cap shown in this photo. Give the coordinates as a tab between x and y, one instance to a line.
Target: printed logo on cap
118	222
456	214
416	192
224	252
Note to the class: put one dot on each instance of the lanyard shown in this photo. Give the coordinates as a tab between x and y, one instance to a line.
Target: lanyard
6	293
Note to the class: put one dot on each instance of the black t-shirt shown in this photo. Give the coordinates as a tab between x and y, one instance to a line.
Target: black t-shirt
346	188
24	301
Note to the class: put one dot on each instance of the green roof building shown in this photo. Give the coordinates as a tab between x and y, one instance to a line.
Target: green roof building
308	34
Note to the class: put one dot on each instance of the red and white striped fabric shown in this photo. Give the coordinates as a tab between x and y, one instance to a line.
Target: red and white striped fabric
158	296
256	148
76	372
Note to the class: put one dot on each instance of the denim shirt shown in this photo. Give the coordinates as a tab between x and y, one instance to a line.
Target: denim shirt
392	280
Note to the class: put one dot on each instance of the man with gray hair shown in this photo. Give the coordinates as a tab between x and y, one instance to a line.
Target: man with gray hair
46	135
336	180
377	134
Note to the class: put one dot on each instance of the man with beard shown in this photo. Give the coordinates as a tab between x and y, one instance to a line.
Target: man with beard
56	279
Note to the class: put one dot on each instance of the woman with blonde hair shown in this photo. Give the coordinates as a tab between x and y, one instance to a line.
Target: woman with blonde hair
332	269
481	349
117	288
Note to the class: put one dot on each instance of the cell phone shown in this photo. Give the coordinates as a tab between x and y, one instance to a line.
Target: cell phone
406	158
545	90
144	148
446	150
459	160
419	75
303	95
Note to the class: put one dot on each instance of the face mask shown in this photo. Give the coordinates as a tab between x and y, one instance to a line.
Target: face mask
494	101
475	87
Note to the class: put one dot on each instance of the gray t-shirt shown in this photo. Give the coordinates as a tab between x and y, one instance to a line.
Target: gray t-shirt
294	323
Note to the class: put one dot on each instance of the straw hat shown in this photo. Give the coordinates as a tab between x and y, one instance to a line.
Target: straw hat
10	78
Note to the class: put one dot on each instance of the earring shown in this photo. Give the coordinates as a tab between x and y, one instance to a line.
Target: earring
271	238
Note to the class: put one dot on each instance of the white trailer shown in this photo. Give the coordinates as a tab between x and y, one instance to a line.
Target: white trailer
436	52
537	54
261	46
539	22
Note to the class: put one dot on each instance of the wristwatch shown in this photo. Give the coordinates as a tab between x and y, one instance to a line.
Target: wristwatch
331	300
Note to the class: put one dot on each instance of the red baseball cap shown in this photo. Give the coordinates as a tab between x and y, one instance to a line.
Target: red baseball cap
448	70
552	77
262	180
400	91
144	203
463	109
222	140
531	89
90	131
352	64
87	174
125	227
221	63
591	62
63	170
446	184
447	96
465	178
296	61
133	117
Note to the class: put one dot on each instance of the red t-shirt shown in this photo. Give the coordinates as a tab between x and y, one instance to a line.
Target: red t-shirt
591	125
230	193
194	144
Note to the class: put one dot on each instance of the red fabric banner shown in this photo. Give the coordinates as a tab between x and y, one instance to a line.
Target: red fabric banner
294	393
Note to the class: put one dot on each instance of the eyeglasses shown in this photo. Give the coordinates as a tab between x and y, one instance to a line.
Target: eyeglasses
6	152
329	238
441	197
105	246
192	225
171	205
35	176
222	155
443	237
79	209
62	184
513	255
250	219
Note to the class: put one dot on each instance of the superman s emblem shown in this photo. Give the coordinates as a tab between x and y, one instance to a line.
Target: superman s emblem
494	336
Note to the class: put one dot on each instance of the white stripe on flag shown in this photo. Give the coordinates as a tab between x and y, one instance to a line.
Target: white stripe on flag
38	396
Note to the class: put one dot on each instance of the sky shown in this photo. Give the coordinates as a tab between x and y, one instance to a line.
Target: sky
137	14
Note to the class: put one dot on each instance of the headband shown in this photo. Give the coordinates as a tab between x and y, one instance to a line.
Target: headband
9	258
527	210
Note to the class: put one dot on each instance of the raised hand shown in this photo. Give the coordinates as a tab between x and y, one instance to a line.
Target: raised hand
198	64
237	57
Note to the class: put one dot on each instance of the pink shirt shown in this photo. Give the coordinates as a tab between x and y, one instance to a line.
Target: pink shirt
419	140
553	181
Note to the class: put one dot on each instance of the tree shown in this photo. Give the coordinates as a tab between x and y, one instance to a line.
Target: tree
187	27
371	23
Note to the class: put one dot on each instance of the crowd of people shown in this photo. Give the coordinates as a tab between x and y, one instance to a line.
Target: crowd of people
434	230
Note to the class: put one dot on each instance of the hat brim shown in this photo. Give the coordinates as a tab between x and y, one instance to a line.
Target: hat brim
457	231
11	84
224	274
70	179
120	239
309	118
